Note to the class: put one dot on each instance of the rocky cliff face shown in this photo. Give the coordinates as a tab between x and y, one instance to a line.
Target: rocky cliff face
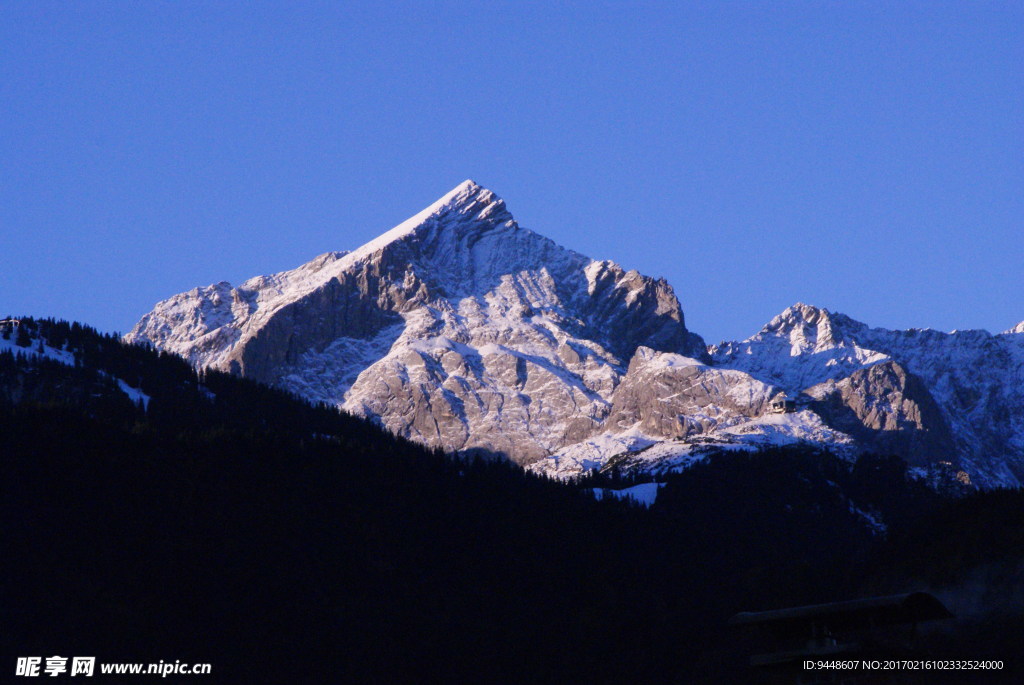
887	409
671	396
460	329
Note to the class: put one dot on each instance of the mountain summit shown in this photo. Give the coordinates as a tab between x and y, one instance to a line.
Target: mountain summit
457	328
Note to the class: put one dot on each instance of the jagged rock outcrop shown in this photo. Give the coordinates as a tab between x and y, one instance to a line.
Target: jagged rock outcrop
886	409
671	396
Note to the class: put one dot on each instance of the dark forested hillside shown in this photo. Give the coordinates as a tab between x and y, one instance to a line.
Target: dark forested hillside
203	517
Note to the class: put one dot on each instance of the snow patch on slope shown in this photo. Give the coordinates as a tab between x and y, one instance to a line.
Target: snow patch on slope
58	355
644	493
68	359
634	452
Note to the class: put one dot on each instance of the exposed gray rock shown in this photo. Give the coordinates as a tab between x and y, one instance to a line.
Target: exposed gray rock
666	395
888	410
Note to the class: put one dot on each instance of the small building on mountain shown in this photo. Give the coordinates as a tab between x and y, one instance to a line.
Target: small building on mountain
781	404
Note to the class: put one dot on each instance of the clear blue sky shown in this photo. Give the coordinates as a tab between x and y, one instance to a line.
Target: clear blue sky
865	157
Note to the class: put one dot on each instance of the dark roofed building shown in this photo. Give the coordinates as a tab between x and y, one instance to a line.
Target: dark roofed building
856	630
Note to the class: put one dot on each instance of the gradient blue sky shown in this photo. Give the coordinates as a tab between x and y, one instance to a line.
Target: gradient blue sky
865	157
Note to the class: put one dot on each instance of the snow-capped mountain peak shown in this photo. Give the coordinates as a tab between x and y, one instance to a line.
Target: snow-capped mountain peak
810	329
457	327
790	350
467	202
